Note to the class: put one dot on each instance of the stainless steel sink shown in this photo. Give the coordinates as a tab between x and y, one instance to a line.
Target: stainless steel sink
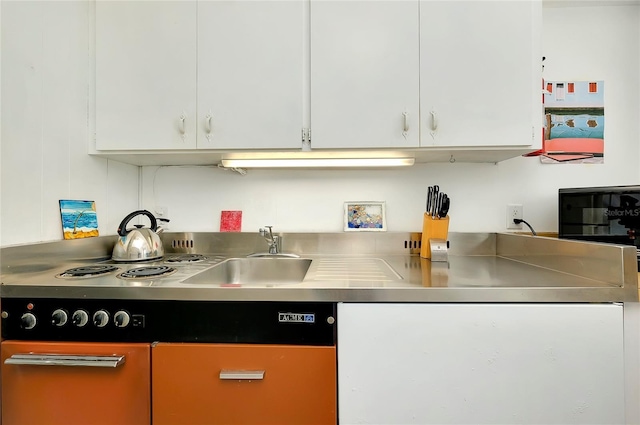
269	271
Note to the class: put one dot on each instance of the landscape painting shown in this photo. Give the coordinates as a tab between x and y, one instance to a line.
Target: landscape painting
574	122
79	219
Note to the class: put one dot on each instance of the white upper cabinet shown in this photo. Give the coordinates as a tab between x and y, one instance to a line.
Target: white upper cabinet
480	73
250	74
208	74
145	75
364	74
360	74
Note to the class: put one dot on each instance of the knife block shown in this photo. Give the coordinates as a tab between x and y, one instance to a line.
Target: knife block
432	228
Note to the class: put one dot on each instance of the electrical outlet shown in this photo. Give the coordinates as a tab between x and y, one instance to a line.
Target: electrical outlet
160	213
514	211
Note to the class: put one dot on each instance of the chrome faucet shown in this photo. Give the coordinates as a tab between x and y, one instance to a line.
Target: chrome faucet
271	240
275	245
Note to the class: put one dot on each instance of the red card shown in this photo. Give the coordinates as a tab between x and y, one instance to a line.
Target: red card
230	221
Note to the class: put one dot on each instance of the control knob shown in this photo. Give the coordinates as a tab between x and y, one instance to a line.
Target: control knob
100	318
121	319
59	317
28	321
80	318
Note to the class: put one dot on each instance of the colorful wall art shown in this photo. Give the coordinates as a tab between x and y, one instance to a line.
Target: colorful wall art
231	221
364	216
574	122
79	219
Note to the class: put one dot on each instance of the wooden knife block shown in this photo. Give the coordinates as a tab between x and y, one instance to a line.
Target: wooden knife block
432	228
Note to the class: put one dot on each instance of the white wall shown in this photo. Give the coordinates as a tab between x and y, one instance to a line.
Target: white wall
595	43
47	90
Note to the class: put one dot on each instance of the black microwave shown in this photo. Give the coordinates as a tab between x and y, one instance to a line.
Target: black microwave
600	214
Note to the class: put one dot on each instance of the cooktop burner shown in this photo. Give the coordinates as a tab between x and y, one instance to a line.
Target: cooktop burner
186	259
147	272
87	271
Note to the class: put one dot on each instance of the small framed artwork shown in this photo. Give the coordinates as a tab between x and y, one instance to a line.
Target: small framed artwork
79	219
230	221
365	217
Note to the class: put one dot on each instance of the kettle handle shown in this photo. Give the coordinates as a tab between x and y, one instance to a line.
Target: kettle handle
122	228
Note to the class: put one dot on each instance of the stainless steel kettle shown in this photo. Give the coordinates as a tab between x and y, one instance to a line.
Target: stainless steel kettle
139	244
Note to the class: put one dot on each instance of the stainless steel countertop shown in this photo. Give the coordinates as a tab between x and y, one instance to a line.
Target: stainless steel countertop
481	268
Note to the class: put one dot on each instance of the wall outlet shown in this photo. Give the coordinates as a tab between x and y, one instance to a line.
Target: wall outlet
514	211
162	212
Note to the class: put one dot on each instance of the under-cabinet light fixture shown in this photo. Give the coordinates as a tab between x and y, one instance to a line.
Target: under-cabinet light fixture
316	162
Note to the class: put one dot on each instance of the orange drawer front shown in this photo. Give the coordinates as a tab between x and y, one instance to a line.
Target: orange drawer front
222	384
64	395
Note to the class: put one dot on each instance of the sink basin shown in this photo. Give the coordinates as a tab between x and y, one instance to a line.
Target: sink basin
268	255
269	271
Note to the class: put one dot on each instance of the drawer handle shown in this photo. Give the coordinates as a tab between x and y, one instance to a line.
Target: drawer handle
243	375
32	359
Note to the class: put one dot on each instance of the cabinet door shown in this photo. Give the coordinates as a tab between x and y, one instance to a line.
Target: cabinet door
480	71
78	393
480	364
145	75
364	74
201	384
250	75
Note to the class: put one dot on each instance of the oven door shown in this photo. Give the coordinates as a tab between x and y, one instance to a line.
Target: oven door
75	383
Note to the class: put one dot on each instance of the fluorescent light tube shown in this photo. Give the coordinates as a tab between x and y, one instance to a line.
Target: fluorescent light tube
316	162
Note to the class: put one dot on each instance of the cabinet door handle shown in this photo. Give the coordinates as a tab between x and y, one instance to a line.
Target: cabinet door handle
208	122
33	359
405	127
434	121
183	119
244	375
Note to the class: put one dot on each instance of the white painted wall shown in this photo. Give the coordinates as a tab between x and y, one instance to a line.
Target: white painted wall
47	89
590	42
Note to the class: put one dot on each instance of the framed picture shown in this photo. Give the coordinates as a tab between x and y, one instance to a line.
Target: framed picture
79	219
365	217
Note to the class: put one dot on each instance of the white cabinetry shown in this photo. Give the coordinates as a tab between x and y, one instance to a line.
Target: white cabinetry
480	363
145	75
480	71
230	75
207	74
250	74
364	74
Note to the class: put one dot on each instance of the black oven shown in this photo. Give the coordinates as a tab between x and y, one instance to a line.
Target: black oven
601	214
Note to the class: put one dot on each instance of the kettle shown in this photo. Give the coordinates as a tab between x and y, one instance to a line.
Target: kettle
139	244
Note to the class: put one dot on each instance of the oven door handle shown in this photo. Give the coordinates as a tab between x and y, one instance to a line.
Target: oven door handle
241	375
33	359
